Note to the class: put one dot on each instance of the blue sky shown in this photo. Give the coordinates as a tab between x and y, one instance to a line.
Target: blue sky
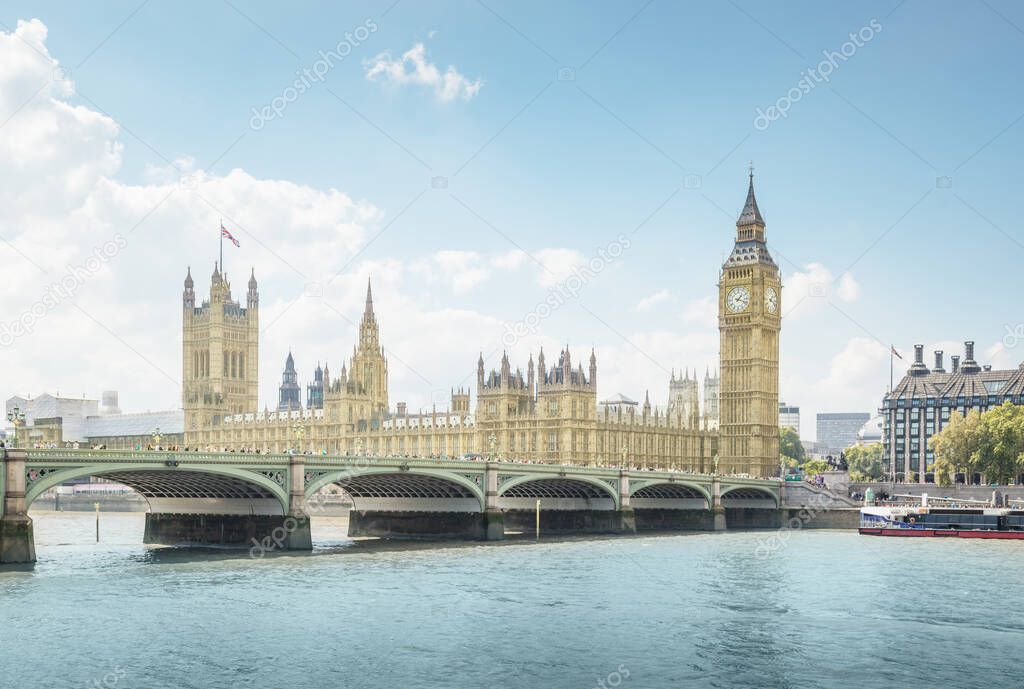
654	131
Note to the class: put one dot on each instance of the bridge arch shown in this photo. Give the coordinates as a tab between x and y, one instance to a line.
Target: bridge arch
555	488
749	497
669	495
403	490
173	489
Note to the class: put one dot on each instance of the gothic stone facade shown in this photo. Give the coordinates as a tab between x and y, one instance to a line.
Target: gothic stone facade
547	415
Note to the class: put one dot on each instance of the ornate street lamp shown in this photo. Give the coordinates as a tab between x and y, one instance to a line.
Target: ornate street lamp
359	447
17	418
299	430
492	442
156	438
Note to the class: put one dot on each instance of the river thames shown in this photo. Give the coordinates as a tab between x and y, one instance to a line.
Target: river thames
821	609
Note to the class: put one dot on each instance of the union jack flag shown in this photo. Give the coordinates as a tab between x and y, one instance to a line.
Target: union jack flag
225	234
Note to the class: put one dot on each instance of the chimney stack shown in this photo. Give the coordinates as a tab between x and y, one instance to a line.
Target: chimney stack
969	365
956	362
939	368
918	368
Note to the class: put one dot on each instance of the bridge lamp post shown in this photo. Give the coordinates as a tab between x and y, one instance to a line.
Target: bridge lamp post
156	438
359	447
492	442
17	418
299	430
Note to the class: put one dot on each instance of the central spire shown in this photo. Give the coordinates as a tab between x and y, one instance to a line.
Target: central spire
368	311
751	214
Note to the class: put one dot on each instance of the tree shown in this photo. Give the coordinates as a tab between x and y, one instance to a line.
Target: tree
790	445
944	471
866	462
991	444
1000	451
815	466
957	444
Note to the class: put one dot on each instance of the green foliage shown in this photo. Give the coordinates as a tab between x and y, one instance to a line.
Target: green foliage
790	445
991	444
866	462
815	466
944	471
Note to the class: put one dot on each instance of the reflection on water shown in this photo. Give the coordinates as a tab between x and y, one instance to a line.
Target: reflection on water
830	610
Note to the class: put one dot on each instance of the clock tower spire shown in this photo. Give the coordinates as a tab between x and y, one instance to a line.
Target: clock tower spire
749	321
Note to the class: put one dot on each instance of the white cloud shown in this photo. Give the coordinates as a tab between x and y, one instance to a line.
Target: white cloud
809	290
413	68
703	311
461	270
649	302
848	290
511	260
558	265
60	201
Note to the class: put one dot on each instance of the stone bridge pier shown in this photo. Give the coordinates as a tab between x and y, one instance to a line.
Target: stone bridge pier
17	545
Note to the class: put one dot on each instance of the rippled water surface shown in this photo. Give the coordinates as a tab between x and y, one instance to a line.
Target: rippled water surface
829	609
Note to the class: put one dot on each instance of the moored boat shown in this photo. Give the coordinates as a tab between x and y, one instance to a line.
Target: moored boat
916	517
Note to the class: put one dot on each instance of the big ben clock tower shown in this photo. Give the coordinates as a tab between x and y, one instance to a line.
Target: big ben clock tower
749	305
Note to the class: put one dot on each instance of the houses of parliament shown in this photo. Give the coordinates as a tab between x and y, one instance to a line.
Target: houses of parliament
551	413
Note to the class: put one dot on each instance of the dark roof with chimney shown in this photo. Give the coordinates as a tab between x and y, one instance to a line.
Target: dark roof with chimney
969	383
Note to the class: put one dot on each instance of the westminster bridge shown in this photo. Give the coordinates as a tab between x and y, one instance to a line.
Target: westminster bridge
232	498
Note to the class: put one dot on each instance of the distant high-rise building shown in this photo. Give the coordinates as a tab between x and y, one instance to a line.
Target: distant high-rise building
839	431
789	417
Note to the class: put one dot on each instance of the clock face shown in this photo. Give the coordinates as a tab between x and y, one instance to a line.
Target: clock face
738	299
771	300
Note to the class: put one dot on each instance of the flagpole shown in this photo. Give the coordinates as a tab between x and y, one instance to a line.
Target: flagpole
221	233
892	349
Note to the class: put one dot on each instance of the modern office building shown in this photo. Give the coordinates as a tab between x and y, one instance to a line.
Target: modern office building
53	421
789	417
838	431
